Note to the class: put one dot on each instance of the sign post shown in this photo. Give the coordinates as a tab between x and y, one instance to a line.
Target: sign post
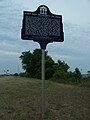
43	81
43	27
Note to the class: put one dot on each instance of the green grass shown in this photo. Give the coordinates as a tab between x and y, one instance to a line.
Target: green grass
20	99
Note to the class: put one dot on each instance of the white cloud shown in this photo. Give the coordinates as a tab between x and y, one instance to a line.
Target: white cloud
8	53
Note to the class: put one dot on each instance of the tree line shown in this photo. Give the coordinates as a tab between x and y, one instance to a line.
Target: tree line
57	71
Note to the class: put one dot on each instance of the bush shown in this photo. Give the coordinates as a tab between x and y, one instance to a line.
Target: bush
16	74
24	74
61	76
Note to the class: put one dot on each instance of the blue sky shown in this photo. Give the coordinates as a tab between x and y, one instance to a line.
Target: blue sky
75	50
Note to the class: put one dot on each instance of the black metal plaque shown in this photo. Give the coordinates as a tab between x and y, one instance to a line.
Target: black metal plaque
42	26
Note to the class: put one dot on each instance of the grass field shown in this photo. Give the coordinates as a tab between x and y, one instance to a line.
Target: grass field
20	99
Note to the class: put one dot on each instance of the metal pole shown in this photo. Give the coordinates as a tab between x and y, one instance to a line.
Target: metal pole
43	81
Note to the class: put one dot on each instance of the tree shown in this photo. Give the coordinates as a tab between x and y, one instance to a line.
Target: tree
88	72
63	65
6	71
49	67
31	63
61	71
27	62
77	75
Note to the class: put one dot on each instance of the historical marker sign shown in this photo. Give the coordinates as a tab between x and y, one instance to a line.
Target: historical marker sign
42	26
